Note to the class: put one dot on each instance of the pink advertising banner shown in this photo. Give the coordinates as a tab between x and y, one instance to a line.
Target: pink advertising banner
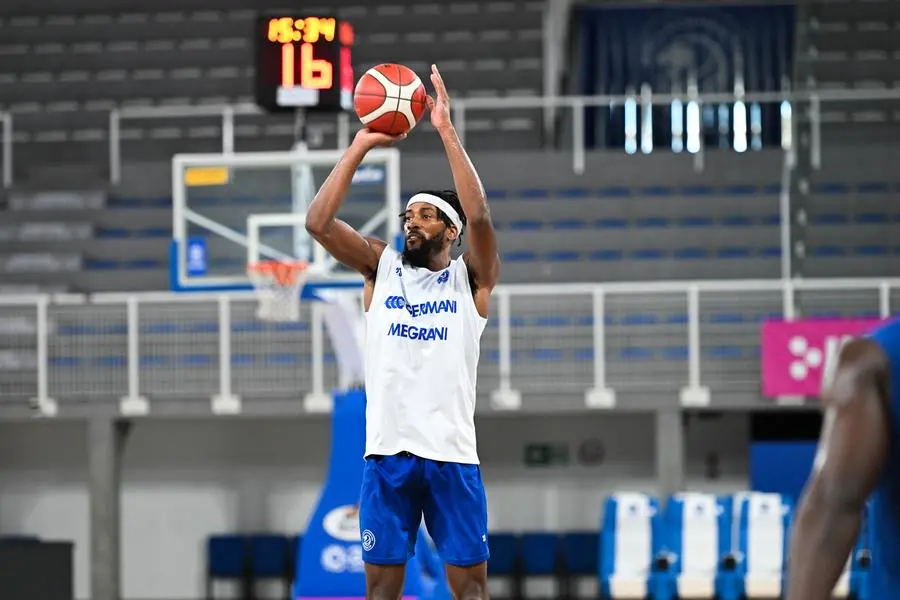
797	356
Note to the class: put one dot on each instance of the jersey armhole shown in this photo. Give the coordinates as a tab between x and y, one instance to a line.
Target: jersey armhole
384	265
462	271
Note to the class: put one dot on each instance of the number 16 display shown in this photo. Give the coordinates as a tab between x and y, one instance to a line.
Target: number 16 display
303	62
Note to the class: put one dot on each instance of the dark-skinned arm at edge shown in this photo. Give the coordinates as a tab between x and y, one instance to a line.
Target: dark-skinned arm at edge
852	450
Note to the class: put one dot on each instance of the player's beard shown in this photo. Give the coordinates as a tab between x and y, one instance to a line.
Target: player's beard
422	255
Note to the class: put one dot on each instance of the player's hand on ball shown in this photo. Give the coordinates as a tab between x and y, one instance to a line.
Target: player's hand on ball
439	106
373	139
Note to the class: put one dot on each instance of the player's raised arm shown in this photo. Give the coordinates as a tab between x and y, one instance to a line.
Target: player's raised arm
852	451
340	240
483	259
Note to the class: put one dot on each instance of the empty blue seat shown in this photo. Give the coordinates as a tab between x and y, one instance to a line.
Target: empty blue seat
691	253
540	554
606	255
506	560
640	319
563	256
695	222
648	254
725	352
871	250
830	219
270	556
111	233
698	190
573	192
828	250
737	221
740	190
873	187
227	557
614	192
698	530
610	223
831	188
733	252
581	552
569	224
763	523
534	194
651	223
728	317
657	191
526	224
872	218
520	256
675	353
631	542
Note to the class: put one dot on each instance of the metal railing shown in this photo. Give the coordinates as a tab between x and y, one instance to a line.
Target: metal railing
464	107
593	342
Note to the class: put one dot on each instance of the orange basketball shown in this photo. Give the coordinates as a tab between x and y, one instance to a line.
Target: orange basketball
389	98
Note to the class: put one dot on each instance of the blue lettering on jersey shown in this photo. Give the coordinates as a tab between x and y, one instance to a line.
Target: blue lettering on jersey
411	332
425	308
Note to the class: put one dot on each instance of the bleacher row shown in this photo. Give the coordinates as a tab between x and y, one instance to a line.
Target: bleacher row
698	546
549	234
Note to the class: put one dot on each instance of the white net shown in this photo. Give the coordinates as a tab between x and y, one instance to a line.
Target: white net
278	285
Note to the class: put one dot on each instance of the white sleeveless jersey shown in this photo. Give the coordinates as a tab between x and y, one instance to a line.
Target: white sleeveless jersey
423	336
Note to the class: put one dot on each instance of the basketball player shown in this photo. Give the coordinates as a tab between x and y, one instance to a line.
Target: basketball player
425	314
858	454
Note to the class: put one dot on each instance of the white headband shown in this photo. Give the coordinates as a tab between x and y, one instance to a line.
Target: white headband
441	204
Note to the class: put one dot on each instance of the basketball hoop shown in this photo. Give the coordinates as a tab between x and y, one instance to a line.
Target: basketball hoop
278	284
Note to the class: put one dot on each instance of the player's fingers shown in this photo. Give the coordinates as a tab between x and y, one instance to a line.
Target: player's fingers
438	81
429	102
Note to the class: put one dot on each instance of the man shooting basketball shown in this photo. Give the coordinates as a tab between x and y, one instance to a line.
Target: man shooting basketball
425	314
858	454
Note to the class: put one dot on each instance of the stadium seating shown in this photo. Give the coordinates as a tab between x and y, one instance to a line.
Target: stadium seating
852	44
61	71
248	559
692	545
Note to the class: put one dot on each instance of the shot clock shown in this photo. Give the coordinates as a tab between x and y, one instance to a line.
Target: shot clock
303	62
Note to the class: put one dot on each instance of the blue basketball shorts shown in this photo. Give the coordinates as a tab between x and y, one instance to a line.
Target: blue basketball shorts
398	490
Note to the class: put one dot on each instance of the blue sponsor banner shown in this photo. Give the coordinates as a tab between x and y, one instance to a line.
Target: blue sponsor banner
196	257
330	562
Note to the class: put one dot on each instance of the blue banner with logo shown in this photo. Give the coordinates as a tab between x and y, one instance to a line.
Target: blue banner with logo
330	562
665	47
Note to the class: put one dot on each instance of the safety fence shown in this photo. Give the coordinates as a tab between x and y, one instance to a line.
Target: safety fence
697	342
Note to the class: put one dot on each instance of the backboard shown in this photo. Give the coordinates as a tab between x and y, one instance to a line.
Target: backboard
231	209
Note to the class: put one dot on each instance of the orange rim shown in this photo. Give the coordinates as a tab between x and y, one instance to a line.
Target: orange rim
284	273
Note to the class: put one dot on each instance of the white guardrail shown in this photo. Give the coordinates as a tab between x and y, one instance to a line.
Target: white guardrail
542	339
464	107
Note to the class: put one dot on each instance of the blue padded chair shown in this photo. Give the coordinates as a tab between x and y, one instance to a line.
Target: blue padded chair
631	562
580	558
541	557
697	538
764	523
506	561
227	558
270	558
